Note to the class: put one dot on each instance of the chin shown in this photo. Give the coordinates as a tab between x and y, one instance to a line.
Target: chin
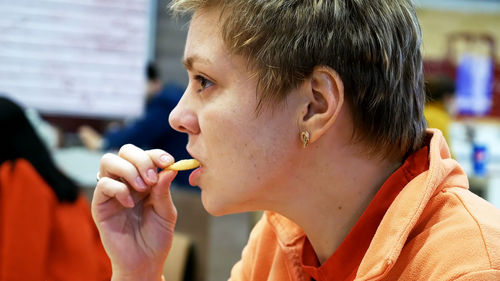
216	212
216	208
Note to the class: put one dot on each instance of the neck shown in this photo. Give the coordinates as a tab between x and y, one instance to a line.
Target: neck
333	195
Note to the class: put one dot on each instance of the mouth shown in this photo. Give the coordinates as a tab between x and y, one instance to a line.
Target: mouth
194	177
194	157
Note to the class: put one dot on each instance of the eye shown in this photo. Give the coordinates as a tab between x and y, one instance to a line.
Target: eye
204	82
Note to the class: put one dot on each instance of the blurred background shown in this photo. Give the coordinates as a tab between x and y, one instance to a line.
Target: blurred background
79	68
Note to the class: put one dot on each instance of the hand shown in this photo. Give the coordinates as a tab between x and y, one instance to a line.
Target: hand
134	212
90	138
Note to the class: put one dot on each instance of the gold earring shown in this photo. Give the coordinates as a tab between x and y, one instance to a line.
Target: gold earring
304	137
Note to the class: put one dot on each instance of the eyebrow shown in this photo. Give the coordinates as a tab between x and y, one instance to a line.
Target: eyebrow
189	61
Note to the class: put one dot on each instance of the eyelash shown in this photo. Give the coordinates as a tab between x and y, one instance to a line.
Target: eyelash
203	82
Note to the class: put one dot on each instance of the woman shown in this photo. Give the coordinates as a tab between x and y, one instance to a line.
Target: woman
46	230
312	111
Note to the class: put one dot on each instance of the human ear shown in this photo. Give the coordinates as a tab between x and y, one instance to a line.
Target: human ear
324	92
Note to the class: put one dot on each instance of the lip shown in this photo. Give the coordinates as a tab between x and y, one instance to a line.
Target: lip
194	177
193	156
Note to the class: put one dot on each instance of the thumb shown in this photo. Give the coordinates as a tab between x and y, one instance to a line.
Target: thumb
161	197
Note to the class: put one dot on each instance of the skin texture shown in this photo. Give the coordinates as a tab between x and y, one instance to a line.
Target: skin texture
249	161
134	212
243	155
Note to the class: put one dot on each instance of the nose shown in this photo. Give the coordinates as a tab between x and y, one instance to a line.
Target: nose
183	117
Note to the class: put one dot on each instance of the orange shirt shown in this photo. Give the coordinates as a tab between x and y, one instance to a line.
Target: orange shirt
41	238
344	262
434	229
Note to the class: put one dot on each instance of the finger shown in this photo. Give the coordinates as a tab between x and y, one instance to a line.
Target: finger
142	161
161	158
161	197
116	167
108	189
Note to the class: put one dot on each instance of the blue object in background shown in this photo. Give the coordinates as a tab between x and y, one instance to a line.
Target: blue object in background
480	160
474	85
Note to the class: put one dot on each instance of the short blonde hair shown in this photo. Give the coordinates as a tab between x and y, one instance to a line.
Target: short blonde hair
373	45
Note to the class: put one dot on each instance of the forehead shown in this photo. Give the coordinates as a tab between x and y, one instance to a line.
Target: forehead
204	44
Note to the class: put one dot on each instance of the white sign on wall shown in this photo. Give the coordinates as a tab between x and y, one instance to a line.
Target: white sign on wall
74	57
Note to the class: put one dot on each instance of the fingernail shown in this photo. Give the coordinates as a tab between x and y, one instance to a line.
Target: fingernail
165	159
130	202
152	176
141	184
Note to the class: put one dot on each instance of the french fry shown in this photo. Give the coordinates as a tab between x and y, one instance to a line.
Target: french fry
185	164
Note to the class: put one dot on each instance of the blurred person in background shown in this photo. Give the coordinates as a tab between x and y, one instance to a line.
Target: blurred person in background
151	130
440	108
46	230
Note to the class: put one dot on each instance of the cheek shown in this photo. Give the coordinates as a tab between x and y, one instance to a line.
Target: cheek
229	142
250	152
248	157
228	127
241	145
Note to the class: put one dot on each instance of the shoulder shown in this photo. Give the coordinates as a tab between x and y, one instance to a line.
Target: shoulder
458	234
475	218
483	275
481	218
